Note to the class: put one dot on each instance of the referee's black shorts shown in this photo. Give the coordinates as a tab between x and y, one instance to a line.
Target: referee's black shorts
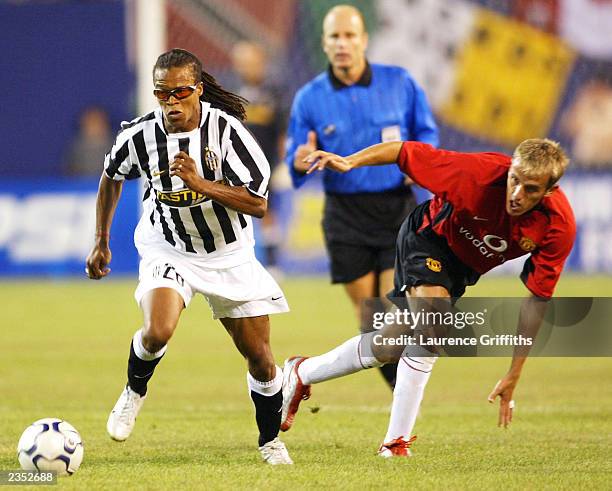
424	258
360	231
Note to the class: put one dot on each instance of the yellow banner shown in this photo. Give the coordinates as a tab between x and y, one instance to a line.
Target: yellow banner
509	79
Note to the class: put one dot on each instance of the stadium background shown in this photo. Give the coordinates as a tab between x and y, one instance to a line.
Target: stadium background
492	78
496	71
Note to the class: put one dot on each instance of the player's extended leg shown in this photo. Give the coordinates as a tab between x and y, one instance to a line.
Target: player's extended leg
413	373
161	309
251	336
358	353
361	292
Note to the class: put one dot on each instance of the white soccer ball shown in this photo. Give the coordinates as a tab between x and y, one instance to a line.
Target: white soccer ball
50	444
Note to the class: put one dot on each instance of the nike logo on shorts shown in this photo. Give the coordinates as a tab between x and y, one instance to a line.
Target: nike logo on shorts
277	298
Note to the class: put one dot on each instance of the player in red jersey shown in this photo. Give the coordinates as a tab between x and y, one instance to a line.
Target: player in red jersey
487	208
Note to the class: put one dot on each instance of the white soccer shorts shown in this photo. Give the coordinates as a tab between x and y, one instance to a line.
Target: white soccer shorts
246	290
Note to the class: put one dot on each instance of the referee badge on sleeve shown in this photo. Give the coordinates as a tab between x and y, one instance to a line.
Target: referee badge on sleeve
391	134
211	159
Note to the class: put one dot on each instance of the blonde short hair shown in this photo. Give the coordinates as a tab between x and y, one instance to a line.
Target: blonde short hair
541	156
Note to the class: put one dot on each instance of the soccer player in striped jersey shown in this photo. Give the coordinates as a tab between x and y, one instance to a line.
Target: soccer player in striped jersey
206	176
487	208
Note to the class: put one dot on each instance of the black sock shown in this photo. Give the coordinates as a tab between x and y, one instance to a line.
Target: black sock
389	372
140	371
267	415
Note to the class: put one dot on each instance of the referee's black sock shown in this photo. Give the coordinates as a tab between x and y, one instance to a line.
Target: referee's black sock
141	364
389	373
268	400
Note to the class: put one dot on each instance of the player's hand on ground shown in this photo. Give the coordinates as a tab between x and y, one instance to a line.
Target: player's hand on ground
504	389
96	264
303	151
184	167
320	160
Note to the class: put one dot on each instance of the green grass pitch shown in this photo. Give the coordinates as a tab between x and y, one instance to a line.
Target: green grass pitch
63	353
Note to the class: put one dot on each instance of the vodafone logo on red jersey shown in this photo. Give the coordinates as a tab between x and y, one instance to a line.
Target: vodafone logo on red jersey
495	243
487	244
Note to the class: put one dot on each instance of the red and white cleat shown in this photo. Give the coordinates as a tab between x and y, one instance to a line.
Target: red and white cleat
396	448
294	391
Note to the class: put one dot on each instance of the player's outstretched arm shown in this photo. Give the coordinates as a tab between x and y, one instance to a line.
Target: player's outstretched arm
109	192
380	154
530	319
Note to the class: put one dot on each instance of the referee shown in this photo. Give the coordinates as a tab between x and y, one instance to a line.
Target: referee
355	104
205	177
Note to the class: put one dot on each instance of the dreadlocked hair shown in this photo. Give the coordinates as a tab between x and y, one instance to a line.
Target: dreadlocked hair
220	98
213	93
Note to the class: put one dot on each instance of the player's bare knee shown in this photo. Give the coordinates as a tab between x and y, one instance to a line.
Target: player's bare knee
152	345
387	354
156	335
261	365
263	373
387	344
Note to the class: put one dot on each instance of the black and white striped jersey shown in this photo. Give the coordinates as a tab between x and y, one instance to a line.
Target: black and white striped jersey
191	223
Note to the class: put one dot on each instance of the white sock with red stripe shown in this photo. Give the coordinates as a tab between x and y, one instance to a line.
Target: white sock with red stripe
412	376
347	358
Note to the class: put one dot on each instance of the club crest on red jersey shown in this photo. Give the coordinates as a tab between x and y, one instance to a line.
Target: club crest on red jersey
433	264
527	244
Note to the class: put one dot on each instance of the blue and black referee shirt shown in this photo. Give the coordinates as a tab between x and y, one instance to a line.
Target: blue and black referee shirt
385	104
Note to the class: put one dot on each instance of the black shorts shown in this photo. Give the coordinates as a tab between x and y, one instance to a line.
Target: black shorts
349	262
424	258
361	229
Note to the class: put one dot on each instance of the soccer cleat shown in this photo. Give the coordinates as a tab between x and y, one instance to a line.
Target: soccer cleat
294	391
123	416
275	453
396	448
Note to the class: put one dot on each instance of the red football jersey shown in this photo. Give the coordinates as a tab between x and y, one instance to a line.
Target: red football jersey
469	211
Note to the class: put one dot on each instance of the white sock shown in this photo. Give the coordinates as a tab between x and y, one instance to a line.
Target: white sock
342	360
412	376
141	351
266	388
